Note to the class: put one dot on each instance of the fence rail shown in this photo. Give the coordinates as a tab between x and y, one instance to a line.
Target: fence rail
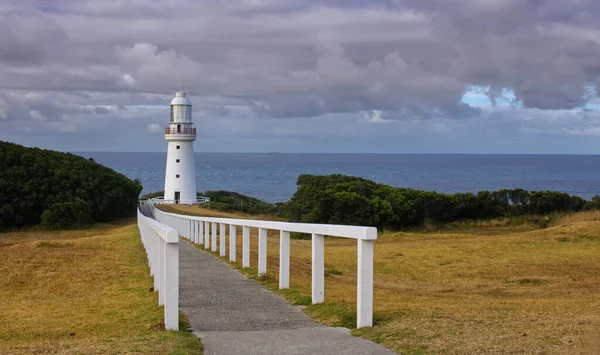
162	247
203	230
162	201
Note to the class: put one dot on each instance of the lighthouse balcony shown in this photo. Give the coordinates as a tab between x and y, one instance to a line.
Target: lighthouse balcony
180	130
180	134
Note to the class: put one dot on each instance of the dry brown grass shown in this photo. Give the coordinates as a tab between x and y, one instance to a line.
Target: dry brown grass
579	217
81	292
533	292
200	211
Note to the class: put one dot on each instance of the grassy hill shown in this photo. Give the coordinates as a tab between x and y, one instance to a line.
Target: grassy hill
490	288
82	292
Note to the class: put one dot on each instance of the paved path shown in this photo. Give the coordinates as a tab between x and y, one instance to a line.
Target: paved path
234	315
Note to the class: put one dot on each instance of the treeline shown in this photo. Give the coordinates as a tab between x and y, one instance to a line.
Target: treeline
339	199
60	190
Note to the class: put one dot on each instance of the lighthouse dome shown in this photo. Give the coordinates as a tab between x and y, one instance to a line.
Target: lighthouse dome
181	99
181	109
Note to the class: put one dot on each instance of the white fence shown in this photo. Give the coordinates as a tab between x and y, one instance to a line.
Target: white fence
162	201
162	247
203	230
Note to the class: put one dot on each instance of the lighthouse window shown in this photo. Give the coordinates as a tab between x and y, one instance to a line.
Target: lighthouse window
177	161
177	176
177	147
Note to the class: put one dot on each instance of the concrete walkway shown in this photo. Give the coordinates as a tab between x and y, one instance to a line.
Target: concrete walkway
234	315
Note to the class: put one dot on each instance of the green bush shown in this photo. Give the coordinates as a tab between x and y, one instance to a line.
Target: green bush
65	215
152	195
340	199
235	202
34	180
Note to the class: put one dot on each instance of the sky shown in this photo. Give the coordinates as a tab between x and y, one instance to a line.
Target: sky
340	76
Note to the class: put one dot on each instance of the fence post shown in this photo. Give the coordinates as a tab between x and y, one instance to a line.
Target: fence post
284	259
262	251
195	231
161	270
222	250
171	283
180	228
206	235
318	268
364	284
232	242
214	237
246	246
200	232
155	250
188	224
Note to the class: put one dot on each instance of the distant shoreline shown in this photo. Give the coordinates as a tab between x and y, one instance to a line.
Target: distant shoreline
287	153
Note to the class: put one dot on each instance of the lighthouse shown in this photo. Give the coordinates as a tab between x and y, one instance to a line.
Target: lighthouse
180	174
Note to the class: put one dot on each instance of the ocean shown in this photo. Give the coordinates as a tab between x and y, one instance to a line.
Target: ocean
272	177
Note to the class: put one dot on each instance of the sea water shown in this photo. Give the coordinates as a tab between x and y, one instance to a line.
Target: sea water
272	177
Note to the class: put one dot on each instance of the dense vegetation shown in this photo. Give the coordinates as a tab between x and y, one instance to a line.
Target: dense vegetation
233	201
340	199
60	190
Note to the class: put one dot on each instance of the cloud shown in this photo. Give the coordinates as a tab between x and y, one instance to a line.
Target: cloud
375	116
588	131
155	128
296	64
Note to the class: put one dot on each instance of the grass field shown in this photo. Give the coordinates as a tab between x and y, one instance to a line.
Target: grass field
488	289
81	292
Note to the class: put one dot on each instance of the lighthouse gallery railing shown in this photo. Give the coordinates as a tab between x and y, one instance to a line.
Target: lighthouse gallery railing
182	130
203	230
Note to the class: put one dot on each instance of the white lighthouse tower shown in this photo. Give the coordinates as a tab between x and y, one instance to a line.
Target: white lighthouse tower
180	175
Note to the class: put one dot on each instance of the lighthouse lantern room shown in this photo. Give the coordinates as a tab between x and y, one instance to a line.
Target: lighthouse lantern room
180	174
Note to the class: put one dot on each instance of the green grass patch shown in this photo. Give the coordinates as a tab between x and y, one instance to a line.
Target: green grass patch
54	245
300	236
331	271
579	238
335	314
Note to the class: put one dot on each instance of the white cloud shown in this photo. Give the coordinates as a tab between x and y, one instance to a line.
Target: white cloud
375	116
128	80
154	128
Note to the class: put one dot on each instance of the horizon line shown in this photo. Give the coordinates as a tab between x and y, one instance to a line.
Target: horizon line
332	153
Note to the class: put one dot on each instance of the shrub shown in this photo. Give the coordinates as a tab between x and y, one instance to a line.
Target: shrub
64	215
340	199
152	195
33	180
233	201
